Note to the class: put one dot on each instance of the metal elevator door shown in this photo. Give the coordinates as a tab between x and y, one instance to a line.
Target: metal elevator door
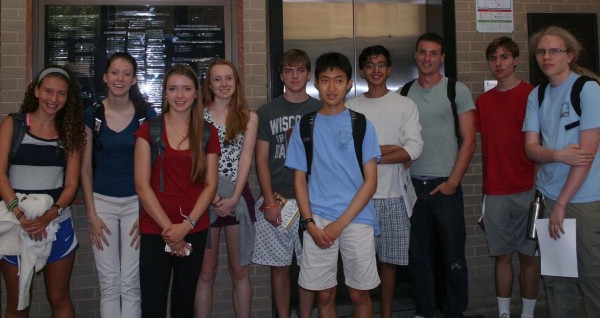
348	26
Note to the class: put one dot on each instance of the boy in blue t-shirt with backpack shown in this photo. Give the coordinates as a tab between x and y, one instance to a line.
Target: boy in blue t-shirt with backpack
334	184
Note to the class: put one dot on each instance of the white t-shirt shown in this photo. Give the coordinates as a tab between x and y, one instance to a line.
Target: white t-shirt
396	121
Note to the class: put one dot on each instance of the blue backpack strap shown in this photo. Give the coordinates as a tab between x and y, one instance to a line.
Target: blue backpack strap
157	145
359	128
307	124
19	130
206	136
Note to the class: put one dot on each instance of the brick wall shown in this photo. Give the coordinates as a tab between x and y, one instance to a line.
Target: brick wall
472	70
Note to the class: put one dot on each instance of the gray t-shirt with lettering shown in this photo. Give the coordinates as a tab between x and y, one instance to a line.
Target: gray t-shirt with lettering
275	122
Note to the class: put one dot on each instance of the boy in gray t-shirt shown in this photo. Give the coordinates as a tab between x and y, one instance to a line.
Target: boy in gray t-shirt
274	244
436	176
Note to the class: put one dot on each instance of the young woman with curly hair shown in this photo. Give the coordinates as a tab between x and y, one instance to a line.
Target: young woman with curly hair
47	161
232	209
175	192
107	181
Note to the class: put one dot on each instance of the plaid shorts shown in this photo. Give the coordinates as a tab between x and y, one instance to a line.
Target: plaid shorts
392	245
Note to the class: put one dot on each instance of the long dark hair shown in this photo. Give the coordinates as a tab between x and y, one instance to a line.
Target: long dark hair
69	120
135	95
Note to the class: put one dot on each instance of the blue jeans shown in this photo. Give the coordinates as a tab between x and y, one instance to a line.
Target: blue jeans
445	215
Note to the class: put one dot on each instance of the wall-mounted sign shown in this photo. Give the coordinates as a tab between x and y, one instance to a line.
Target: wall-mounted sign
495	16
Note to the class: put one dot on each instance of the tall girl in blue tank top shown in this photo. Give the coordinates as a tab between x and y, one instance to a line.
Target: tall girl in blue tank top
227	109
48	161
111	202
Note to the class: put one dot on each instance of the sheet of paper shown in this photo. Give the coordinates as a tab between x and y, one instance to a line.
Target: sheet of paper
558	257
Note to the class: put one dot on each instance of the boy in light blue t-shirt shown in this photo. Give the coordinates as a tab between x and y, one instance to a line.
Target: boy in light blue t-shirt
335	199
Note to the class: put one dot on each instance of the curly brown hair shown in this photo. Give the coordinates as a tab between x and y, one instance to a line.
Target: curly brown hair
238	114
69	120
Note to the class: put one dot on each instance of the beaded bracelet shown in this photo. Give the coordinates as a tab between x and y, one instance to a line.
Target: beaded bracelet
20	215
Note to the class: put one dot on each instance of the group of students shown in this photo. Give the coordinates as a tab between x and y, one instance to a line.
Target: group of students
373	178
148	181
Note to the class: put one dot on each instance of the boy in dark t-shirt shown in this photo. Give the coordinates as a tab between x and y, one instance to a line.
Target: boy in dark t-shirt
274	244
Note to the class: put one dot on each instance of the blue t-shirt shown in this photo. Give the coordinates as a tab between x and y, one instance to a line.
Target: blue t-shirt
335	175
556	113
113	158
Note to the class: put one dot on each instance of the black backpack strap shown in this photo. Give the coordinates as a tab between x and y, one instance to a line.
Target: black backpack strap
157	145
406	88
576	92
541	92
451	92
141	113
307	124
359	128
19	131
99	119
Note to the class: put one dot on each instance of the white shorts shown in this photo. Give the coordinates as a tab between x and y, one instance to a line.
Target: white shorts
275	246
318	270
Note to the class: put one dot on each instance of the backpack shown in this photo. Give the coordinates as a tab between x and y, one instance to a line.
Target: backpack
575	96
19	130
99	118
157	144
451	93
359	128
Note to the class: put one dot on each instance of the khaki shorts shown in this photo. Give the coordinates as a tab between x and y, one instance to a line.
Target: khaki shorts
318	270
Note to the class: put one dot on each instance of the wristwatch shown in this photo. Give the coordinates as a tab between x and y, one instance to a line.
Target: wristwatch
59	209
304	223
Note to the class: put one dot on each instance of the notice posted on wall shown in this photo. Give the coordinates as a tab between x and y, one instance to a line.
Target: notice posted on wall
495	16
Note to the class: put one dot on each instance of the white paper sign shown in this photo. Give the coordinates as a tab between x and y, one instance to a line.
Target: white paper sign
558	257
495	16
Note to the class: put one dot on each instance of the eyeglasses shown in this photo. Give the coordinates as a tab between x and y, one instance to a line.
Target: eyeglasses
553	51
379	66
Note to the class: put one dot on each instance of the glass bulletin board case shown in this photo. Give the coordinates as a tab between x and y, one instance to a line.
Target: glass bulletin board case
82	35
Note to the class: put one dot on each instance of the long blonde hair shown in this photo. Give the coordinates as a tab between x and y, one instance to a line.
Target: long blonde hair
571	43
196	127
